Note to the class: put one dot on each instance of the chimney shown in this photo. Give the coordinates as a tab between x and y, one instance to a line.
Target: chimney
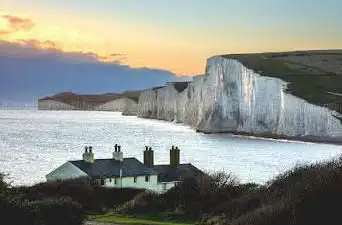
117	154
148	157
174	156
177	150
151	158
88	156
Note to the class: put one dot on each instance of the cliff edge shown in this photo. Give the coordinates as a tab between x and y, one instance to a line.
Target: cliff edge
293	94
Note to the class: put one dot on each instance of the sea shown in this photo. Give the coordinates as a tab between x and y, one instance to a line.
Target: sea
33	143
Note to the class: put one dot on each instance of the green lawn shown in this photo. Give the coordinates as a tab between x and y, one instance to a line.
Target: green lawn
155	219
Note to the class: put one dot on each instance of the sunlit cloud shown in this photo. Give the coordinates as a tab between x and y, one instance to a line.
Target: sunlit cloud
32	48
16	23
10	24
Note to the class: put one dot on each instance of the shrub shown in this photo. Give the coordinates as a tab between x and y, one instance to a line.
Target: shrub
57	211
92	197
145	202
193	197
304	195
15	211
3	185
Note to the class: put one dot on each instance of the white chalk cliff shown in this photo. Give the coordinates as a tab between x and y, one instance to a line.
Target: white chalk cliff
118	105
231	97
54	105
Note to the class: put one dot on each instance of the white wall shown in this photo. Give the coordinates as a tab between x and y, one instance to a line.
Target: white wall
53	105
129	182
65	172
153	183
165	186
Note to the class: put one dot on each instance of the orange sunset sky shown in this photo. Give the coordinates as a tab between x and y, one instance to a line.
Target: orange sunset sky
172	35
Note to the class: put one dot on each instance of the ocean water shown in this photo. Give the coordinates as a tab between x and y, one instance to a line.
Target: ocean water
33	143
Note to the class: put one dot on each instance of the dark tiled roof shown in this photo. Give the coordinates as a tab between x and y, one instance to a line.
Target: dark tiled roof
110	168
167	173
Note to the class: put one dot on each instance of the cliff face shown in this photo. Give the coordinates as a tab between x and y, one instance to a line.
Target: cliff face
118	105
147	105
54	105
242	100
231	97
117	102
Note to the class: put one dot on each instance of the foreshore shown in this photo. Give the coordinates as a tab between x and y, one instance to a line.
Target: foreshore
311	139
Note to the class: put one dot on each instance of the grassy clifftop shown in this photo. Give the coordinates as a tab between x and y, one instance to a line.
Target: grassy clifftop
315	76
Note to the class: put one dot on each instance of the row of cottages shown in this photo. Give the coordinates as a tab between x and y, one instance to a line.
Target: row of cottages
119	172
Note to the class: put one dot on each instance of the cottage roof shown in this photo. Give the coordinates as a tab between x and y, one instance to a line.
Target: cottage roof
168	173
110	168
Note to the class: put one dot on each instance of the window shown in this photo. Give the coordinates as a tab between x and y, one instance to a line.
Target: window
110	180
135	179
115	181
147	178
102	182
164	187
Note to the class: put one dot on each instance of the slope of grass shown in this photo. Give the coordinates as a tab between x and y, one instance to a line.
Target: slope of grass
146	219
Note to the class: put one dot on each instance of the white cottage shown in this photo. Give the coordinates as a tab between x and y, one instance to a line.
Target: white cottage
119	172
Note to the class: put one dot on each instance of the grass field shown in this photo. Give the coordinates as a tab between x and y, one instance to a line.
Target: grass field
150	219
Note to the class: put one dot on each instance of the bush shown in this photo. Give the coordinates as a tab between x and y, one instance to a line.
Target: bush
57	211
92	197
193	197
57	202
3	185
145	202
14	211
304	195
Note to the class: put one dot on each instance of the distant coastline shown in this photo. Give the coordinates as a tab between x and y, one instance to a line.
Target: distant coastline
283	96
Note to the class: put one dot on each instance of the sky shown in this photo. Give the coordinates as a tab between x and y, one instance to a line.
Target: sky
172	35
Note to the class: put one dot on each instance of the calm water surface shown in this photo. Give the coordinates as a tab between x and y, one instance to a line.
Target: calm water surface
32	143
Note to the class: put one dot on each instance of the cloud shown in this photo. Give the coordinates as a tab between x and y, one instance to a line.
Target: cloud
18	23
118	57
32	48
4	32
29	71
15	24
117	54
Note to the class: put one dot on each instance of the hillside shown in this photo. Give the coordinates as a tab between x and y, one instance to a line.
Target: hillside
315	76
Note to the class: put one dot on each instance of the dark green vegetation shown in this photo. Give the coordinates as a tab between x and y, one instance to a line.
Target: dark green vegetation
57	203
309	195
180	86
304	195
315	76
192	198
